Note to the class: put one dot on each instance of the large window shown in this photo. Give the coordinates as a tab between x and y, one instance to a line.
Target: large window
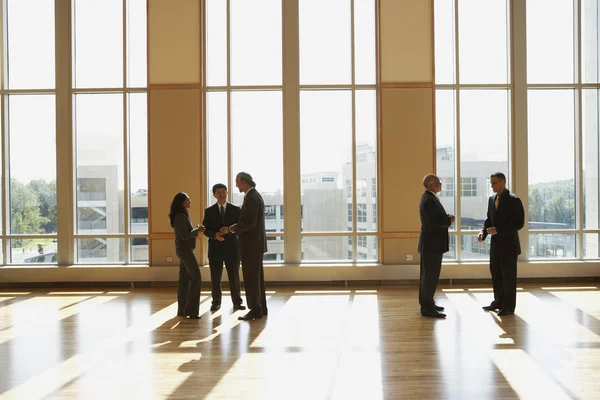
244	105
473	99
109	135
553	86
109	114
333	118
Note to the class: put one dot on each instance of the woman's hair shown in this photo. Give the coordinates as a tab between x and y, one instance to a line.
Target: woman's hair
177	206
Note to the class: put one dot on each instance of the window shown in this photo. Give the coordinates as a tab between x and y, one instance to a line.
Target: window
473	103
468	187
361	215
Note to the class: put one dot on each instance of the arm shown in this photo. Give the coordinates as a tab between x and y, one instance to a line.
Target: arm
182	228
209	232
434	219
249	219
516	219
483	233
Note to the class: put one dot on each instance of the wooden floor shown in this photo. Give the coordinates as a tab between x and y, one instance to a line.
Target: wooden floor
368	343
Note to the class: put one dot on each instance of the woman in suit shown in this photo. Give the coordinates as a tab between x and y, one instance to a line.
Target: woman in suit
188	287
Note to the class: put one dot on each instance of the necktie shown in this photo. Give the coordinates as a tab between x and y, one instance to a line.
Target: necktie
222	214
497	201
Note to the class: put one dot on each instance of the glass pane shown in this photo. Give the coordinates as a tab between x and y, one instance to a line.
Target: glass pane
136	44
364	41
550	54
551	246
325	45
484	137
139	250
32	138
366	247
99	137
591	164
471	249
30	44
366	162
445	49
138	162
33	251
327	248
483	29
256	42
551	159
100	250
257	129
216	42
326	150
275	248
98	43
590	41
445	133
590	245
216	138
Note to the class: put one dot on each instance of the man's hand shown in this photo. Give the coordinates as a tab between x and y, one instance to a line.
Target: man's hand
219	237
224	230
480	237
452	218
492	231
233	228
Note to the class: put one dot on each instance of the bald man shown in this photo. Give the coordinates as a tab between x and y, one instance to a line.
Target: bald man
433	243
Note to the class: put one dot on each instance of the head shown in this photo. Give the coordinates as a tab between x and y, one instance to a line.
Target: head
180	204
498	182
432	183
220	193
243	181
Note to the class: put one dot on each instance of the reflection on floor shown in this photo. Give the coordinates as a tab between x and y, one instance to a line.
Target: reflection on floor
316	343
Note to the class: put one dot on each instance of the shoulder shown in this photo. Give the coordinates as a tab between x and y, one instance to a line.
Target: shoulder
180	217
210	207
233	206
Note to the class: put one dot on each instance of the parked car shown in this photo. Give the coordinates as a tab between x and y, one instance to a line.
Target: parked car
44	258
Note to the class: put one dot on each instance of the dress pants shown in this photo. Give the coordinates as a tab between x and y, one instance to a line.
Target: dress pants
188	286
215	261
254	283
504	280
431	266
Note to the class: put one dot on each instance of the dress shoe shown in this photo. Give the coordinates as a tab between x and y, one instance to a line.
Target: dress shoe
503	313
491	307
239	307
193	316
433	314
439	308
215	307
250	316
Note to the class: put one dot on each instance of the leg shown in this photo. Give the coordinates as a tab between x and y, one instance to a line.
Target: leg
263	294
182	285
252	283
431	268
192	304
497	282
508	265
233	273
216	272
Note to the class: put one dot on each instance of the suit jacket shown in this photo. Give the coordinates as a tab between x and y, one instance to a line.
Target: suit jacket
185	233
251	225
212	221
434	225
508	218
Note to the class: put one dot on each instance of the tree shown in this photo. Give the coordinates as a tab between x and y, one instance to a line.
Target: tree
24	210
46	194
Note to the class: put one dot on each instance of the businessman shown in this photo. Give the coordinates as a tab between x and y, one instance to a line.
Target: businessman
222	247
433	243
505	216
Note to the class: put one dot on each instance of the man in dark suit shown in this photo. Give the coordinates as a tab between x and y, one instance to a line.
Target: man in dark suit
433	243
252	239
505	216
222	247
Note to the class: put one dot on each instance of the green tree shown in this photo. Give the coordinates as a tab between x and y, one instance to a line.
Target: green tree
46	194
24	211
